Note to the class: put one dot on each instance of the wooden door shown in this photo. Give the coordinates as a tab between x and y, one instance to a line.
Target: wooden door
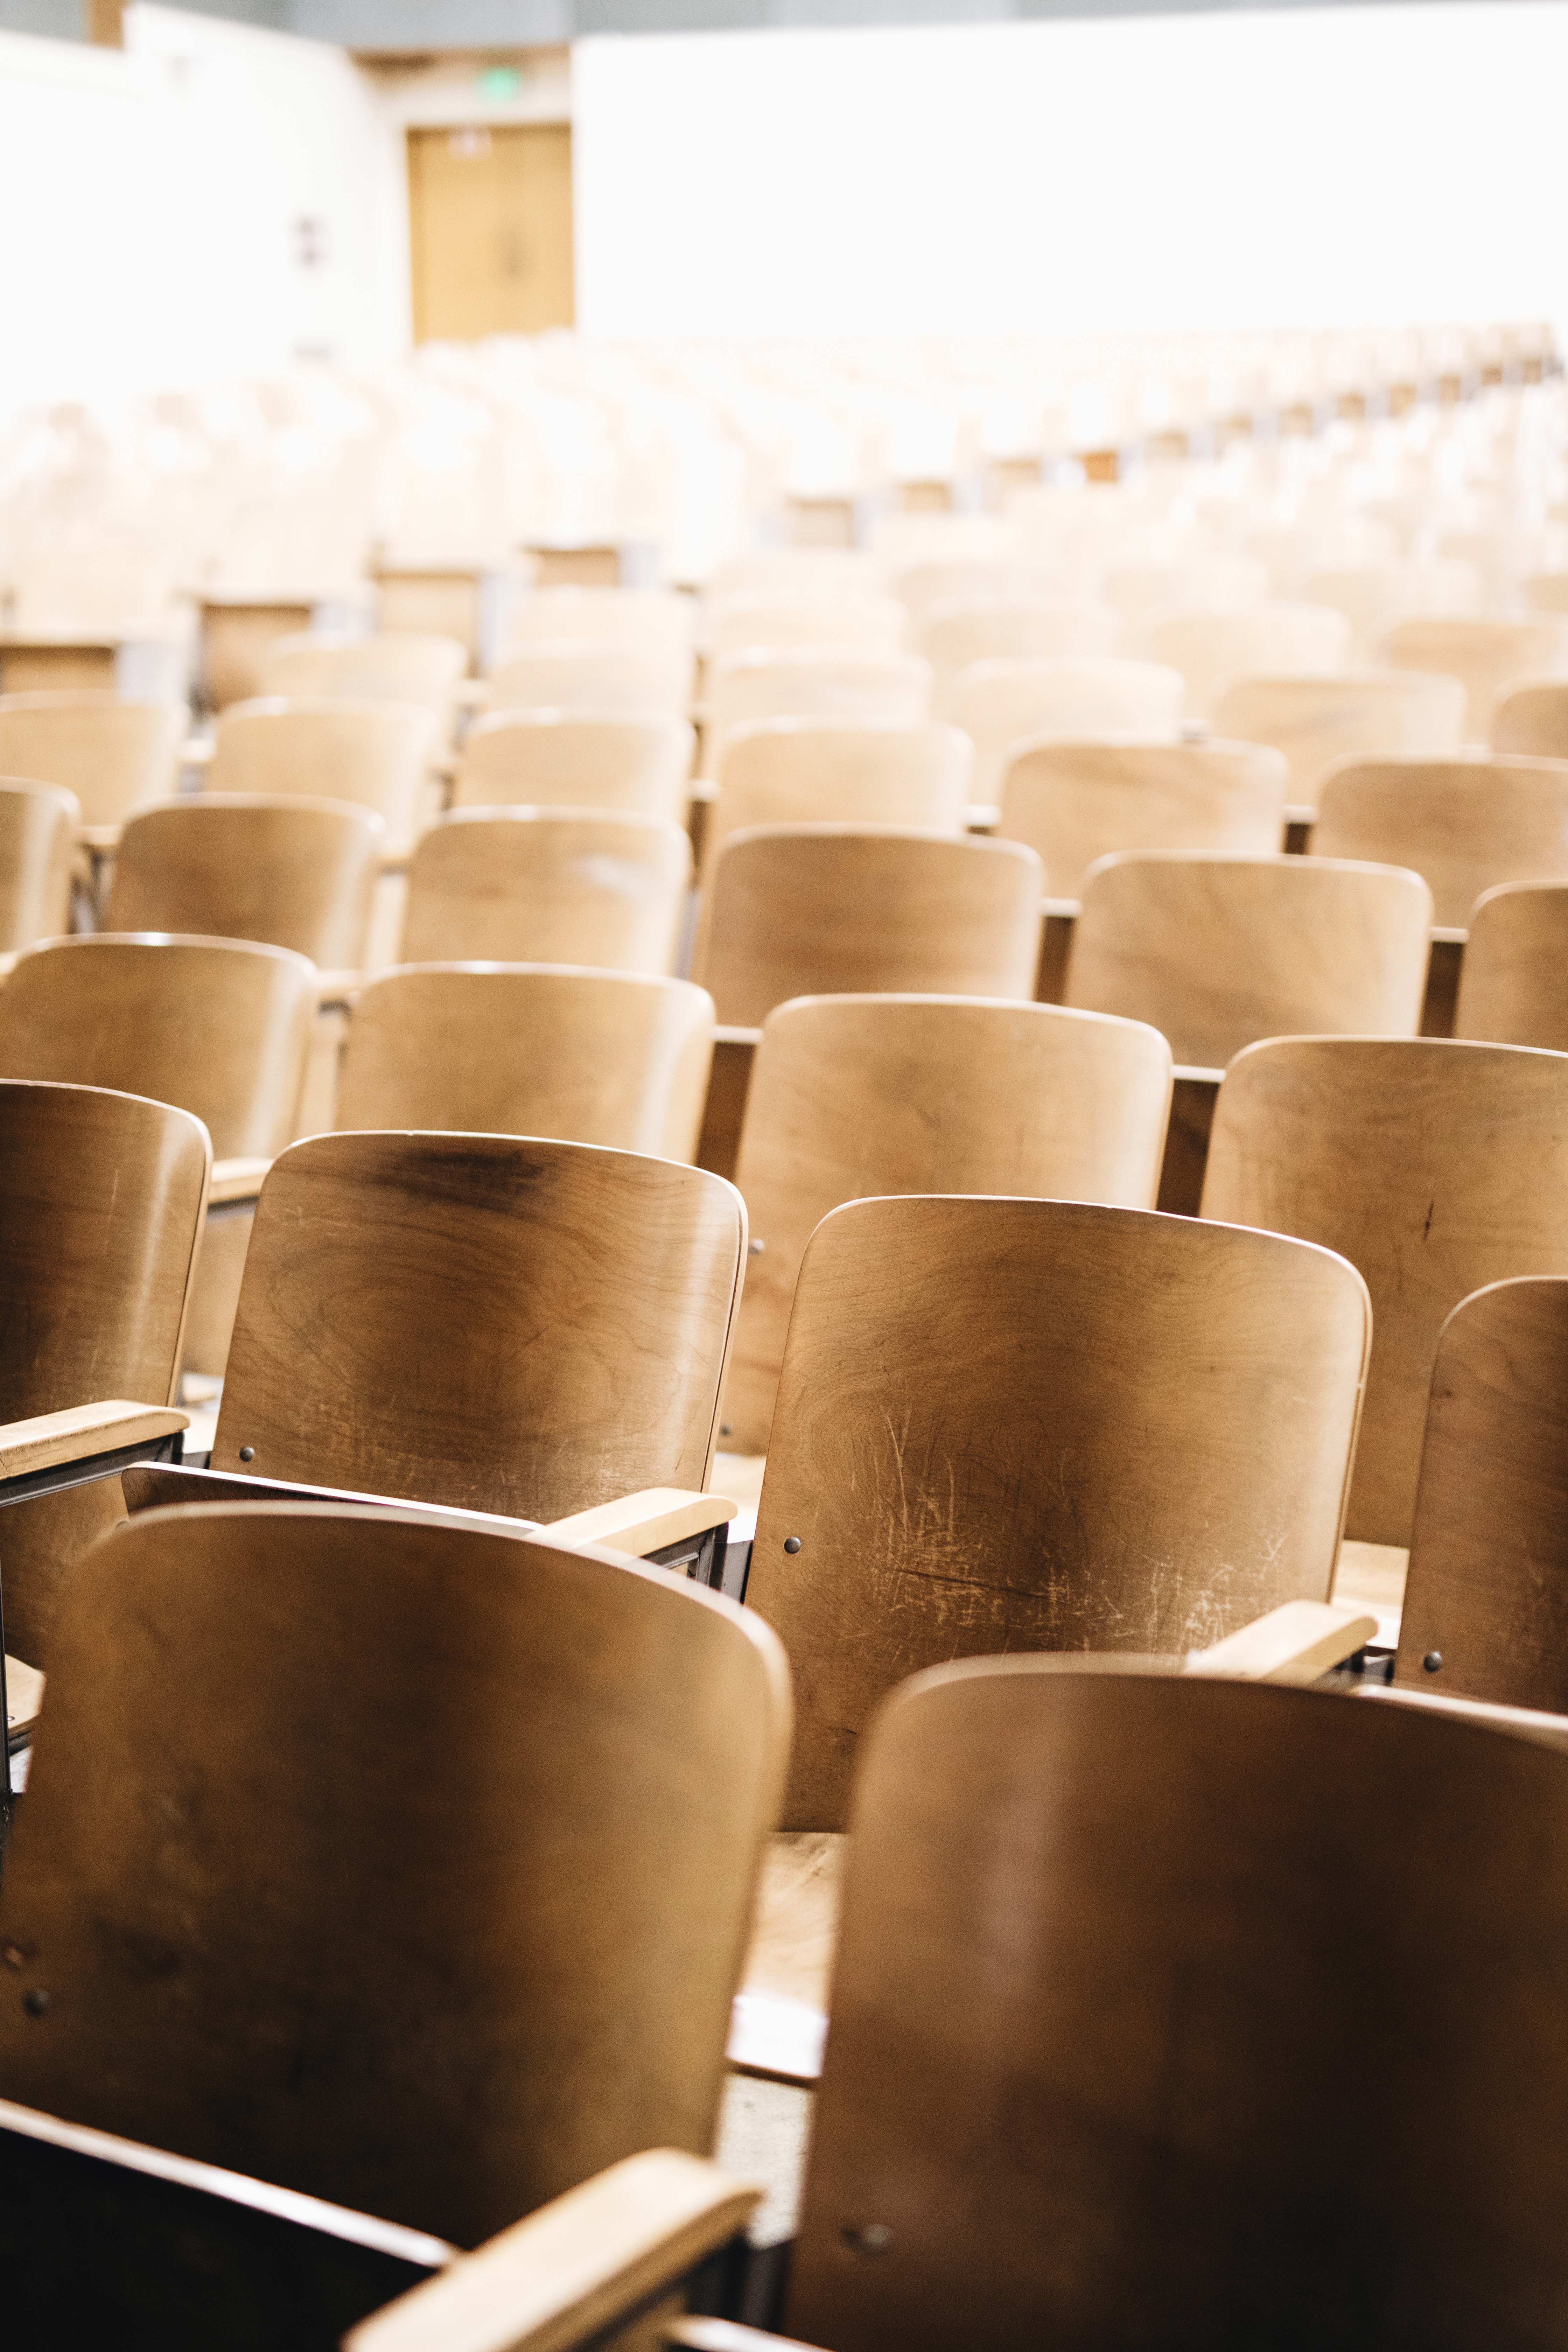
491	222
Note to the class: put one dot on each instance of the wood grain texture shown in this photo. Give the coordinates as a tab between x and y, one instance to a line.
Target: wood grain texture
1219	951
47	1439
1486	1590
1211	648
290	873
1435	1167
1003	706
1513	982
113	754
812	684
813	772
1533	719
397	665
1485	653
503	1324
803	910
442	1996
1108	1938
219	1027
964	630
236	638
857	1096
374	754
1075	803
586	1056
37	835
1317	720
561	758
531	886
1466	824
1010	1424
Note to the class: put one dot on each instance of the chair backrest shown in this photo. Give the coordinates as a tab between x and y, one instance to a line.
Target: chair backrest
350	1954
573	759
656	623
758	622
1107	1937
101	1199
220	1027
1545	592
855	1097
375	754
236	638
112	754
1142	592
1293	552
585	886
1219	951
1211	648
955	634
1008	1424
919	587
1484	653
1372	596
1513	981
1075	803
812	684
1532	717
526	1049
820	910
38	839
606	680
1003	705
436	603
1317	720
836	572
1486	1597
1435	1167
1466	824
293	873
399	666
493	1321
852	772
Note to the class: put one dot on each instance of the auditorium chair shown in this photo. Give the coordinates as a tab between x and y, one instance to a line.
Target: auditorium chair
1514	982
811	684
1218	951
760	621
1210	649
1292	552
604	679
1436	1167
655	624
1369	715
399	666
838	573
956	634
1466	824
375	754
237	634
1073	802
572	759
1486	655
919	587
38	826
589	886
1545	592
1003	705
1532	717
1144	592
113	754
865	772
1372	596
584	1056
854	1096
819	909
290	873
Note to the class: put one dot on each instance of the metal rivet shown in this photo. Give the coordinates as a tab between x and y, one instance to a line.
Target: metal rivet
871	2238
36	2001
247	1452
756	1249
726	1428
1433	1660
791	1543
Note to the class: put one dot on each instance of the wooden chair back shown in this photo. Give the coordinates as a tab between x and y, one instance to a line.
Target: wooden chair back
1374	596
1466	824
857	1096
435	602
387	1929
812	684
237	636
861	772
569	758
1210	649
585	887
1486	1597
1219	951
375	755
1316	720
492	1321
1532	717
527	1049
38	842
1144	592
824	909
1545	592
114	755
1485	653
606	681
1436	1167
1075	803
757	621
656	623
955	634
1005	706
1108	1935
1293	552
920	587
1007	1425
220	1027
838	573
1513	981
398	666
292	873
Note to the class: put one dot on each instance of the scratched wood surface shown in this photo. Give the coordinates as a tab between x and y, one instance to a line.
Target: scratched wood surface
292	872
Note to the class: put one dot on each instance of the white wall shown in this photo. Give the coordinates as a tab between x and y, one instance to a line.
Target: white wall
1325	165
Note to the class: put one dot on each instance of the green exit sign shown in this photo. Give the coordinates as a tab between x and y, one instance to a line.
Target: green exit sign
499	84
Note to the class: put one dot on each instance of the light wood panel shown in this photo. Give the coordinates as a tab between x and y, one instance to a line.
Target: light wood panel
113	755
1374	596
1484	653
1075	803
531	886
868	1095
1435	1167
556	759
1317	720
864	772
812	684
375	755
606	679
1514	982
395	665
37	837
1532	717
490	222
1009	1424
1211	648
1219	951
758	621
1004	706
236	638
292	873
1466	824
957	633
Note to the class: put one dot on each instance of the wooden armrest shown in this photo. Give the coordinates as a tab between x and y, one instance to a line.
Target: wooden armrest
1062	911
729	2335
336	992
1451	935
24	1698
196	751
8	962
638	1524
100	837
49	1439
1193	1074
473	694
1300	813
394	860
726	1033
568	2271
236	1180
1294	1643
